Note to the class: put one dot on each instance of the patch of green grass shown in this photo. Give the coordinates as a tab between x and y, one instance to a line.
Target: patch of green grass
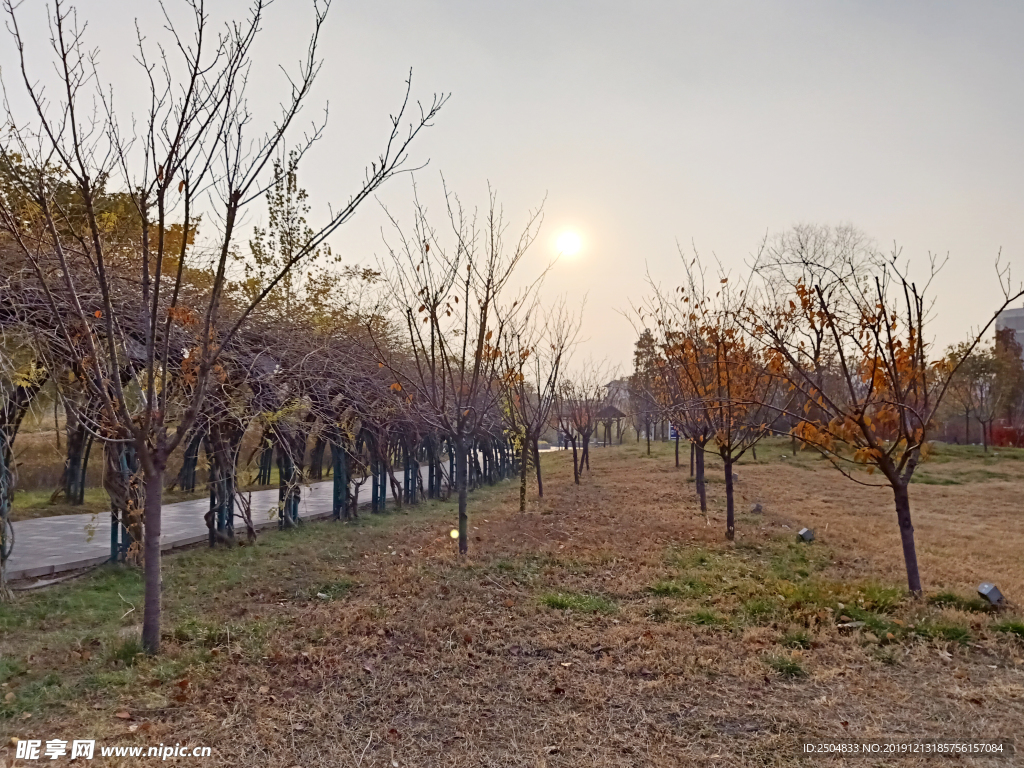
872	621
953	633
953	600
759	610
102	600
10	667
35	693
814	595
570	601
126	652
680	588
106	679
1011	626
691	558
943	452
332	590
786	562
882	598
705	618
796	639
195	631
785	665
926	478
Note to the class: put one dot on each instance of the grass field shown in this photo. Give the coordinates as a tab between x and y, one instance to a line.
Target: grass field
611	624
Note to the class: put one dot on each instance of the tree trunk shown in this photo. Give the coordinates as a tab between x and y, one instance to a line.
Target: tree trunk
902	498
74	471
575	463
536	464
6	532
647	433
677	450
730	521
701	489
693	455
522	475
461	482
154	585
967	427
984	435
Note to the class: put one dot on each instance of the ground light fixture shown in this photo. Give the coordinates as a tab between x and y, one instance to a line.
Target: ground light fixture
806	534
991	593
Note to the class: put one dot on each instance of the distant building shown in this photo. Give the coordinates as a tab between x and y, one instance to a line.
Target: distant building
1012	320
618	393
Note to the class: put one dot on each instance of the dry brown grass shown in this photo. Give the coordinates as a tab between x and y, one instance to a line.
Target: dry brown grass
425	660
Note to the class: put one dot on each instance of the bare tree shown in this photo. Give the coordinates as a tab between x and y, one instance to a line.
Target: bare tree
580	399
450	299
196	150
536	354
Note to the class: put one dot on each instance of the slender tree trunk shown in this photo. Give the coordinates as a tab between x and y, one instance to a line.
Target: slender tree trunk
74	472
575	464
677	450
536	464
693	455
753	451
462	483
984	435
6	492
794	444
154	487
522	474
701	489
967	427
647	432
902	498
585	458
730	521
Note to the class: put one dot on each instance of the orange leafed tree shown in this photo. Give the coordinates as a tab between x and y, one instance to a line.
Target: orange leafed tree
713	381
868	393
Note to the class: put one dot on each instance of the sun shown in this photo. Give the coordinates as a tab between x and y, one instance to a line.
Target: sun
568	244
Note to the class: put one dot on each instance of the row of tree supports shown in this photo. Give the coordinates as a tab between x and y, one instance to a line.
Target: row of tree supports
488	462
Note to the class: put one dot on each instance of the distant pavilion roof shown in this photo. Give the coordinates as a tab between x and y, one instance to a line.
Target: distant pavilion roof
610	412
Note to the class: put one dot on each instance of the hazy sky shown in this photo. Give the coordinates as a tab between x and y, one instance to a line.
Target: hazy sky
644	123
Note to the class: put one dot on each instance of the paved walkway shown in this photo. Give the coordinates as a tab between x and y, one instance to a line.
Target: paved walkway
49	545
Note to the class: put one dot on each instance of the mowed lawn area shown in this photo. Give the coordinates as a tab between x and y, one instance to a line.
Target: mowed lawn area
610	625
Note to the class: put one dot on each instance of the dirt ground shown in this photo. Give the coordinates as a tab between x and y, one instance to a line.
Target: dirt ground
610	625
